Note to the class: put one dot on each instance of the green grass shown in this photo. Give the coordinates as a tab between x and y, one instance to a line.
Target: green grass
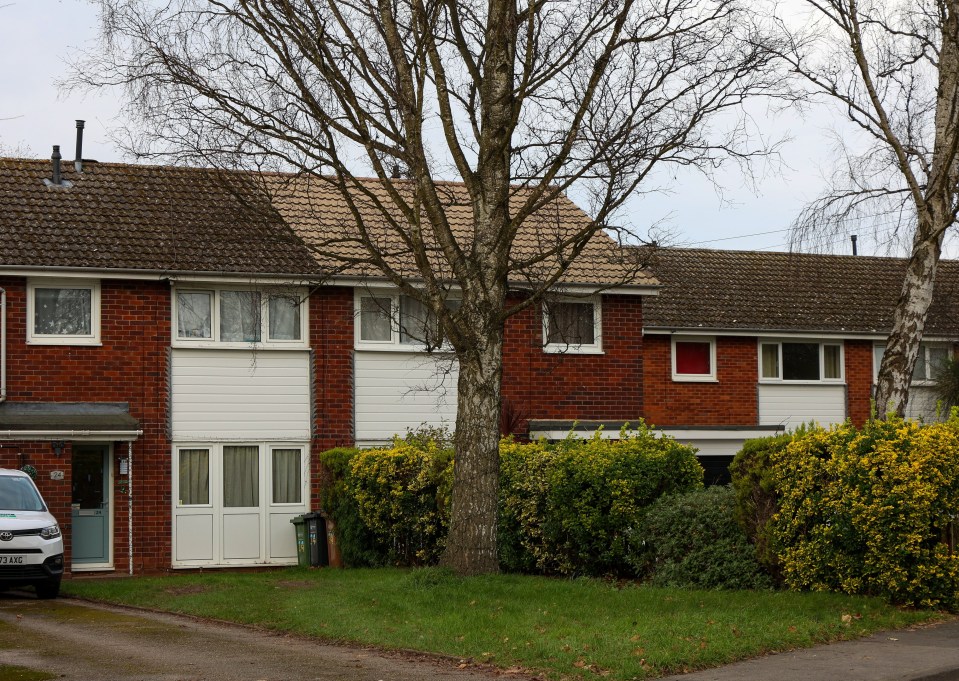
561	628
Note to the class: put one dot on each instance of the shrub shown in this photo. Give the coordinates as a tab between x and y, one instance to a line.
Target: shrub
755	495
568	508
402	496
872	511
357	544
692	540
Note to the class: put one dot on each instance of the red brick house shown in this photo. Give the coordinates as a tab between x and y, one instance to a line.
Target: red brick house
739	344
174	354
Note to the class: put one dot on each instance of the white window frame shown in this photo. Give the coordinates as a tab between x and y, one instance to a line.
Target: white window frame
393	344
924	348
265	342
93	338
822	343
594	348
694	378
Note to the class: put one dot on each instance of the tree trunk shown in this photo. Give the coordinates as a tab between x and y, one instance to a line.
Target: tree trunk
909	321
471	545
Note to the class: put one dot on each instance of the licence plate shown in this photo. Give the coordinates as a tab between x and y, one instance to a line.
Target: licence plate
11	560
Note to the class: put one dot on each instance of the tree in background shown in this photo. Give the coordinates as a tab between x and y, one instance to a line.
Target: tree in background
893	68
520	102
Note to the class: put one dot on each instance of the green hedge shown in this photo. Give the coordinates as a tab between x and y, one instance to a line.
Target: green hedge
692	540
568	508
756	497
565	508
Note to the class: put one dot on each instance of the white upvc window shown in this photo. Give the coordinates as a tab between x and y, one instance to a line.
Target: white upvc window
573	325
239	317
932	357
63	312
800	361
694	358
387	320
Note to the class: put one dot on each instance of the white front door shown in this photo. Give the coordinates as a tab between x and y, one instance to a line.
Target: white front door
233	502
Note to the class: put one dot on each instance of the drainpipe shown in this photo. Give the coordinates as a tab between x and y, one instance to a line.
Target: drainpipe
130	505
3	345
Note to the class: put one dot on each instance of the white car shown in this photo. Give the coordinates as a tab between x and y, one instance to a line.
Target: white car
31	548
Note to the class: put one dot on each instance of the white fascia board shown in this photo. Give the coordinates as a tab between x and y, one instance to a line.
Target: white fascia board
72	435
682	434
768	333
573	290
145	275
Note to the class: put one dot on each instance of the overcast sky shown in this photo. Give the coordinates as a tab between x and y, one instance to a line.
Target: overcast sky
39	37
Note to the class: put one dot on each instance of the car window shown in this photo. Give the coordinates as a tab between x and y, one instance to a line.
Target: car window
18	494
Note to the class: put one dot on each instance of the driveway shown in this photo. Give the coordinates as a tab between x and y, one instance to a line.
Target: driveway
77	641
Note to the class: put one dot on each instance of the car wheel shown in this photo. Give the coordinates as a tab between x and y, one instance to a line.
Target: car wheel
46	590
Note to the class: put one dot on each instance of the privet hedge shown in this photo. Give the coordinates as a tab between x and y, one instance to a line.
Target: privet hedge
565	508
692	540
870	511
568	508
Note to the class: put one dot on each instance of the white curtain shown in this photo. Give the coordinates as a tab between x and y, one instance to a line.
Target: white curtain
241	476
240	316
194	477
287	484
284	318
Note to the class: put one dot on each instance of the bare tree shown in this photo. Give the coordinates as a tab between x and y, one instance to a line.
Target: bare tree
893	67
518	101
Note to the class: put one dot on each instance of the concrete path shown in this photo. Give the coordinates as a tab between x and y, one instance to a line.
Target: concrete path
77	641
929	653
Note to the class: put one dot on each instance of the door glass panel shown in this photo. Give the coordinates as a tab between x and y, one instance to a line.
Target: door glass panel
194	477
287	487
241	476
87	478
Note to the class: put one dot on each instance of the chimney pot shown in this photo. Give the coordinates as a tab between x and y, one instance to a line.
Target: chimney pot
78	159
55	157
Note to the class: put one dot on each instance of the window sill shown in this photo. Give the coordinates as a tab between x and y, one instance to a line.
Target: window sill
834	383
694	379
214	345
67	341
396	347
572	350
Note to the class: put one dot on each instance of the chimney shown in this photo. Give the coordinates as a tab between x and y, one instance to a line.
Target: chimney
57	180
78	159
853	238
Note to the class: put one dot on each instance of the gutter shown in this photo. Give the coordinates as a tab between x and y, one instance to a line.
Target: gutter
3	345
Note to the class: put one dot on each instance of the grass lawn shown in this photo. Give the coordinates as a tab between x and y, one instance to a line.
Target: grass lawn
559	628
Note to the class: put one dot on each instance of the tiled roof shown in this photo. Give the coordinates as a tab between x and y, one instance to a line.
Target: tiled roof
152	218
174	219
789	292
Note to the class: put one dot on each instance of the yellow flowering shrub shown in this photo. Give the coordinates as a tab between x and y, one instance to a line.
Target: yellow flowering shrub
402	496
871	511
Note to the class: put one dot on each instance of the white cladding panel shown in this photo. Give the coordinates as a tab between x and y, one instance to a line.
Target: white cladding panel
922	405
794	405
240	395
400	390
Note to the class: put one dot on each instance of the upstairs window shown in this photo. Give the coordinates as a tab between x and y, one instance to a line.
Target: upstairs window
63	312
572	326
237	317
932	357
800	361
694	359
397	322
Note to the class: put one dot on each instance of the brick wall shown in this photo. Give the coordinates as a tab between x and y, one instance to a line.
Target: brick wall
331	339
858	380
732	400
539	385
129	366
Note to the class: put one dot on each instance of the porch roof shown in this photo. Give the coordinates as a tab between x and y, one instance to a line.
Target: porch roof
68	421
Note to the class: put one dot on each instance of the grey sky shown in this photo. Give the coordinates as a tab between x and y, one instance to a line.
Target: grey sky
39	37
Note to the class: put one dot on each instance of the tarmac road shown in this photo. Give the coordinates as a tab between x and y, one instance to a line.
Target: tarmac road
78	641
